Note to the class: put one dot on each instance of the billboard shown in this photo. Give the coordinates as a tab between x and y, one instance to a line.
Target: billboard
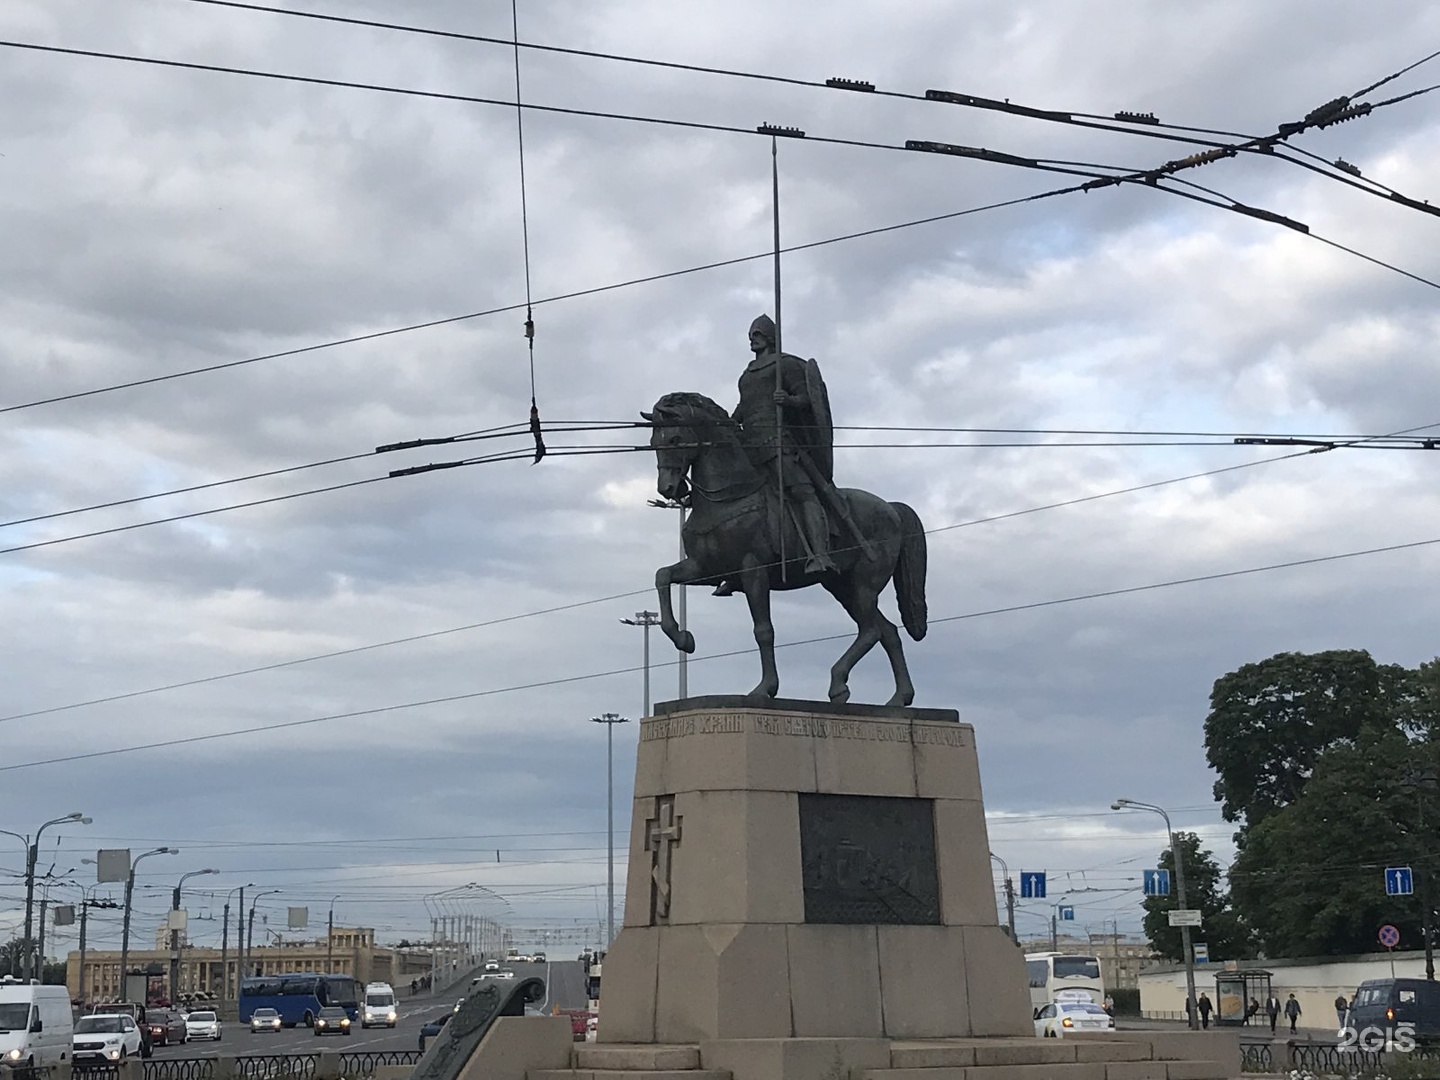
299	918
112	864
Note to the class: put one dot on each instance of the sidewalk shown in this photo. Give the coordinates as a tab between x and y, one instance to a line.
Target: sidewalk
1251	1032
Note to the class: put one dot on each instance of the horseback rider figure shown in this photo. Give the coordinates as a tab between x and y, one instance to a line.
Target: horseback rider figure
802	438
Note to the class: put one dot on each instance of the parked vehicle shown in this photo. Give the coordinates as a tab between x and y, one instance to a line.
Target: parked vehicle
332	1020
265	1020
378	1006
202	1024
1385	1003
166	1026
107	1038
36	1029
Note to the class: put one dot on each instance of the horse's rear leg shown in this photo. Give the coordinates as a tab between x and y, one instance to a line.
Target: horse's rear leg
756	581
890	642
861	603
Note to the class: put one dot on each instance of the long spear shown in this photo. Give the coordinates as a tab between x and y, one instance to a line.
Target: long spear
779	352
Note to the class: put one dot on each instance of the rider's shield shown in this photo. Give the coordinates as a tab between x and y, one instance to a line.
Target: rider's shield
820	442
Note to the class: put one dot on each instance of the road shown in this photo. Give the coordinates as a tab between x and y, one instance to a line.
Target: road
565	980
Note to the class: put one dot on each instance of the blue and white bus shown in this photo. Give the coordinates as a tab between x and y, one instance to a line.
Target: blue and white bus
298	997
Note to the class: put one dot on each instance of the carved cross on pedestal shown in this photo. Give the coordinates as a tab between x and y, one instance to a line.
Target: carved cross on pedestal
662	833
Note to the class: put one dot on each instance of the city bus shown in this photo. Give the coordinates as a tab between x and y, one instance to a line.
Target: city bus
298	997
1056	976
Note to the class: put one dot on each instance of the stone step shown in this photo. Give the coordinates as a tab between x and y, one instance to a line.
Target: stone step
628	1074
637	1058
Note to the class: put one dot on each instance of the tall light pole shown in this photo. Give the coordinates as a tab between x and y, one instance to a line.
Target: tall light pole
225	939
129	893
175	931
646	619
1421	782
1009	896
330	938
1191	1009
250	935
32	856
610	719
684	663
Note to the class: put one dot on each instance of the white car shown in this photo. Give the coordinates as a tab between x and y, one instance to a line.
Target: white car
492	965
1059	1018
265	1020
106	1038
202	1024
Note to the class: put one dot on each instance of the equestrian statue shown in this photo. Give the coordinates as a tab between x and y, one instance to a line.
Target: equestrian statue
765	514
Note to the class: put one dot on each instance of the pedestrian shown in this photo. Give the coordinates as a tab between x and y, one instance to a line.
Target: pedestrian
1272	1010
1109	1005
1292	1012
1189	1011
1205	1009
1341	1008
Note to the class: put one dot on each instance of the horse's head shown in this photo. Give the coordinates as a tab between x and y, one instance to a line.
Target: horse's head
682	425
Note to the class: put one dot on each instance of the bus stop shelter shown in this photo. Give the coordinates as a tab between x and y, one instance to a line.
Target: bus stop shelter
1235	990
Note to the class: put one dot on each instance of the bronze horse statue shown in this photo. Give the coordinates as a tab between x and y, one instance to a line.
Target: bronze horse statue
732	530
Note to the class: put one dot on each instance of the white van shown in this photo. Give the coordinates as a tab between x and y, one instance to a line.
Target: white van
379	1005
36	1028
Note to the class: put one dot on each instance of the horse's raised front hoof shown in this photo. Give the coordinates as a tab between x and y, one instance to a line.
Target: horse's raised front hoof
901	698
686	644
764	691
839	695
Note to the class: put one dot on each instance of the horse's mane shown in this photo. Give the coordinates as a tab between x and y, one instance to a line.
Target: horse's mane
686	404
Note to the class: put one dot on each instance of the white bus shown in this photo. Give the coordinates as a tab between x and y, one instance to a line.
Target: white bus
1056	976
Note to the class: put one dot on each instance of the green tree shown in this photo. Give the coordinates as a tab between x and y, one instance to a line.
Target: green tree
1222	929
12	956
1269	722
1309	876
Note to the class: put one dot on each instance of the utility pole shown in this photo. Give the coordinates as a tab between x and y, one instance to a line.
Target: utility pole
610	720
250	934
330	938
647	619
32	856
1422	782
1009	896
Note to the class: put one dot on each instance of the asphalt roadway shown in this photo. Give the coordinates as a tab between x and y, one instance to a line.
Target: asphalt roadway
564	979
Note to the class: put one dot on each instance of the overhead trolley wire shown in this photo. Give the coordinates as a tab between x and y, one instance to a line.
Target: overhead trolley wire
1145	125
591	676
1079	500
1142	177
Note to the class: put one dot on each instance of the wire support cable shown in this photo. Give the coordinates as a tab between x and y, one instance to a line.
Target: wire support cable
613	672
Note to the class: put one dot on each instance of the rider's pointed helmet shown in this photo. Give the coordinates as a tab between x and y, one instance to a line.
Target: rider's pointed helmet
766	326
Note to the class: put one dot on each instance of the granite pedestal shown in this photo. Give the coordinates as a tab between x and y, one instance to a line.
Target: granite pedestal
805	870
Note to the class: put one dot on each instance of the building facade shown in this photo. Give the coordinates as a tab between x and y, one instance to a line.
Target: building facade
349	951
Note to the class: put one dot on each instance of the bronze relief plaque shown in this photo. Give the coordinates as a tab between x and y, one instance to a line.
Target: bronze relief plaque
869	859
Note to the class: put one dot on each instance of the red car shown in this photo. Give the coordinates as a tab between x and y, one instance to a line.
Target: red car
165	1026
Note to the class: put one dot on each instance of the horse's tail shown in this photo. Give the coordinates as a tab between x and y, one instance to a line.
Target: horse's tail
910	572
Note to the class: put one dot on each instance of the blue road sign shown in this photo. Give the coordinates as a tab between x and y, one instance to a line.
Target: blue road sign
1399	881
1032	885
1067	913
1157	882
1201	951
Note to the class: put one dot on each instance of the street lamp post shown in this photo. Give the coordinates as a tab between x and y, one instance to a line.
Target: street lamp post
610	719
330	938
225	939
1191	1011
32	856
250	934
1009	896
175	931
645	619
129	893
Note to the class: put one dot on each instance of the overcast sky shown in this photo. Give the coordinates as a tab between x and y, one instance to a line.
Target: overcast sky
157	220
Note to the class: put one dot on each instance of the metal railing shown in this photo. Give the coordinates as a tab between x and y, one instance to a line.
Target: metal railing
275	1067
364	1063
1256	1057
178	1069
1322	1058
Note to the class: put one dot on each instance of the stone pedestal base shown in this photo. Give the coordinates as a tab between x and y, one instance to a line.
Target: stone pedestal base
811	871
